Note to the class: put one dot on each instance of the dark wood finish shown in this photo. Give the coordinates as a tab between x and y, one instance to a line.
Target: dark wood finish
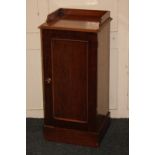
76	14
90	72
70	95
70	73
78	137
76	20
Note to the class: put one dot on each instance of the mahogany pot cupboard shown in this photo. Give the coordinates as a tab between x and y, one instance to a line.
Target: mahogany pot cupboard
75	66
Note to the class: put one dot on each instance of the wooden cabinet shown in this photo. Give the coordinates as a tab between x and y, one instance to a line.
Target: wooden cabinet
75	61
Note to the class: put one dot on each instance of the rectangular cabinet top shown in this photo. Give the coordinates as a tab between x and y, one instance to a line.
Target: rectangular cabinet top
76	20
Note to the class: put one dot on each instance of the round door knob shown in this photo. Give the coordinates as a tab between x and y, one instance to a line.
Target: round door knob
48	80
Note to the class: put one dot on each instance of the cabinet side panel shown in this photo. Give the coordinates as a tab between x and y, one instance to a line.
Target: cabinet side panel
103	70
46	73
69	76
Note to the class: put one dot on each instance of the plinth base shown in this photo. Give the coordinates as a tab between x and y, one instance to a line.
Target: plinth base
79	137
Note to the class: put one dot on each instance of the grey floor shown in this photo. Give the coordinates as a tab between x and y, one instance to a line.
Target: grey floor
115	142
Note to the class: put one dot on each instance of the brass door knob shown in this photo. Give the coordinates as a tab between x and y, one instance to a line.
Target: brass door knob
48	80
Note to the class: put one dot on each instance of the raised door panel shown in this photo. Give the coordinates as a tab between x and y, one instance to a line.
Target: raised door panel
69	80
70	61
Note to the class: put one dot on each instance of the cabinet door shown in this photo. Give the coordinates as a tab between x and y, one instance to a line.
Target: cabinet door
66	79
69	79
